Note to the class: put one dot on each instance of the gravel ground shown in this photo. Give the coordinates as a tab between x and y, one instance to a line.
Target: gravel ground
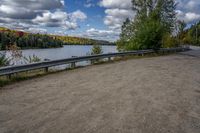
151	95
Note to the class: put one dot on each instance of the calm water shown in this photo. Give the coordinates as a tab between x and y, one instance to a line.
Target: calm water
60	53
65	52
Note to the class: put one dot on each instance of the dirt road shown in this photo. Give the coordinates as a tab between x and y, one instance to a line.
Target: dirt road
152	95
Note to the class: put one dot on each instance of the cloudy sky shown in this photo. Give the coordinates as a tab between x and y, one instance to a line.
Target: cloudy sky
98	19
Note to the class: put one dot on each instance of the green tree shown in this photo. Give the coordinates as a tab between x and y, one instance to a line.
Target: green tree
181	26
154	18
126	34
164	10
169	41
191	35
95	51
31	59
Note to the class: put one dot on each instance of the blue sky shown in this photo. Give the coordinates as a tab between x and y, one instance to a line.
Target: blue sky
97	19
95	14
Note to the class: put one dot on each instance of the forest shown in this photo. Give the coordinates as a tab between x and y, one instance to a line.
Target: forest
29	40
25	40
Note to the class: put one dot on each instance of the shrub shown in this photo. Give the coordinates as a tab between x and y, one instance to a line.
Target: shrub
96	50
32	59
3	60
148	36
169	42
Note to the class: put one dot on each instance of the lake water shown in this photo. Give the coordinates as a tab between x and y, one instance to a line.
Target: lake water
65	52
61	53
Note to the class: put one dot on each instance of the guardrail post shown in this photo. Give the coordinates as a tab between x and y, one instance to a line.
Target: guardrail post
91	62
73	64
9	76
123	56
46	69
163	52
168	52
109	58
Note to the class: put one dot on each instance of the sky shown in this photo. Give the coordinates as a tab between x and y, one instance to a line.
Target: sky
97	19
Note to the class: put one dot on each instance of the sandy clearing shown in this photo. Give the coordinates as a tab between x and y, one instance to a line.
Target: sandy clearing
152	95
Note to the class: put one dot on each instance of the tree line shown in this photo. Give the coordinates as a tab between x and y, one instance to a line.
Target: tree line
25	41
68	40
76	40
28	40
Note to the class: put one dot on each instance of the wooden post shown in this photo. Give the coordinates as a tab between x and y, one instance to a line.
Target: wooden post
73	64
46	69
123	56
15	74
109	59
91	62
9	76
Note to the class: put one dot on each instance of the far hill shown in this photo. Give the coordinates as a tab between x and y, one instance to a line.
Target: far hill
27	40
69	40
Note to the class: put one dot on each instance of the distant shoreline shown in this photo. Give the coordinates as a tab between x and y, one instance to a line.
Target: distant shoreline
35	48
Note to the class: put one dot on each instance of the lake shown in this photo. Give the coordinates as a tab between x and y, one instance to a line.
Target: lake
66	51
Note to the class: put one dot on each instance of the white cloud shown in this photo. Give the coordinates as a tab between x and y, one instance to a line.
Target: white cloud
7	9
116	17
188	10
78	15
117	12
47	13
37	30
94	32
125	4
190	16
102	34
49	19
60	19
89	3
27	9
71	25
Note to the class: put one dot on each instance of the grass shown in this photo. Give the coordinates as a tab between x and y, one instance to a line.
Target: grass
4	80
41	72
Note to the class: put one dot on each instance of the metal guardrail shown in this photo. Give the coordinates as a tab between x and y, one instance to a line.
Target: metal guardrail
22	68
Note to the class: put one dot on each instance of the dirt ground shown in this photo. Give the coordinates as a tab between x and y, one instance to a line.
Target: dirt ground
151	95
